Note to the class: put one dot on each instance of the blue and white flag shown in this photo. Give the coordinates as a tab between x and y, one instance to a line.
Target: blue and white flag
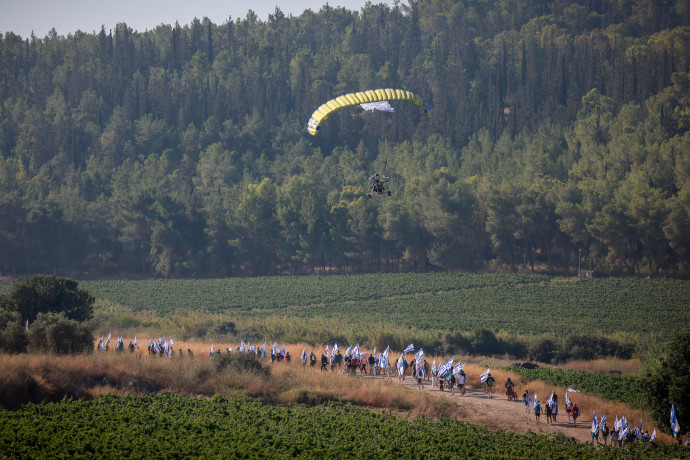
136	344
442	368
567	400
529	400
326	352
675	427
623	432
243	346
653	438
212	352
172	344
409	349
617	424
572	390
549	401
433	367
274	350
376	356
348	352
282	351
595	427
624	422
263	349
156	348
419	355
304	355
335	349
485	376
449	364
26	328
383	360
108	341
458	367
602	420
355	352
534	400
639	426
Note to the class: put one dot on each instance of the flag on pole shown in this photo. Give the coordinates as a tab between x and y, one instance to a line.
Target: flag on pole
136	344
617	424
485	375
534	400
282	351
675	427
304	355
384	358
26	328
595	427
549	401
442	368
263	349
409	349
639	426
348	352
567	400
623	432
653	438
528	400
335	349
458	367
212	352
355	352
433	367
172	344
449	364
274	350
602	420
108	341
419	355
572	390
326	352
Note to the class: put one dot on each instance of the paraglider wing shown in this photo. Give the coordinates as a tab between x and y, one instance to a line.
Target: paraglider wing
363	97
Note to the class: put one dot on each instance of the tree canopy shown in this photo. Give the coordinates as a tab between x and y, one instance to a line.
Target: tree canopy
557	129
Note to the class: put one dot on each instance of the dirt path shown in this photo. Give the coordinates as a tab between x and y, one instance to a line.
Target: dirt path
499	413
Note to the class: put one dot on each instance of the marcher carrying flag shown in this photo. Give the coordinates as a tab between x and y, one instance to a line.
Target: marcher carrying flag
485	376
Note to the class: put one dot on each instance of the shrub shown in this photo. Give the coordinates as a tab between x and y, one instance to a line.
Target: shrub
241	363
13	338
55	333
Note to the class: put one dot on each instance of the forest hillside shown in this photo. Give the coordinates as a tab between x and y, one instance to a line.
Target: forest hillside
557	138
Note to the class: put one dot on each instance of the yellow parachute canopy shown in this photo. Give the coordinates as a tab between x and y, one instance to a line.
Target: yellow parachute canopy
363	97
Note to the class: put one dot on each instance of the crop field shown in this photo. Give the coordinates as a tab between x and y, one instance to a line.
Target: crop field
519	304
169	426
626	389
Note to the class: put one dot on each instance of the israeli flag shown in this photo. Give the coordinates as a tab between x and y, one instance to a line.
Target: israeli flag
639	426
419	355
212	352
157	348
136	344
458	367
348	352
355	352
108	341
534	400
171	342
485	376
653	438
409	349
567	401
304	355
376	356
530	402
243	347
384	358
326	352
449	364
550	400
401	367
572	390
442	369
602	420
675	428
335	349
624	432
282	352
274	351
595	427
433	367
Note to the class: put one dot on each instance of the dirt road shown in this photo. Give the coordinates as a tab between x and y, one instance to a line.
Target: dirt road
499	413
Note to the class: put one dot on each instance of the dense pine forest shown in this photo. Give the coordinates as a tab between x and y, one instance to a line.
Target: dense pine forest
558	135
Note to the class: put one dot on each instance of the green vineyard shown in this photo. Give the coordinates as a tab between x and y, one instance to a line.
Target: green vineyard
169	426
514	303
627	389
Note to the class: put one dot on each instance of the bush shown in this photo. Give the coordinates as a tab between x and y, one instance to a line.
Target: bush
55	333
666	381
13	338
241	363
48	293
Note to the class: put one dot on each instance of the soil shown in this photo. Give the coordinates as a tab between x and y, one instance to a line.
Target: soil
499	413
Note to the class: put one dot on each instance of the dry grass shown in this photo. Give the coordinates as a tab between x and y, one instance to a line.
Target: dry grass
606	366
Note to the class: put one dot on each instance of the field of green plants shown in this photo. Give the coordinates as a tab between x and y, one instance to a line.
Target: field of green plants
627	389
169	426
518	304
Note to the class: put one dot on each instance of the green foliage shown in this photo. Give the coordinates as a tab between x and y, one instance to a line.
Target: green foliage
519	304
666	381
55	333
48	293
13	338
181	151
626	389
173	426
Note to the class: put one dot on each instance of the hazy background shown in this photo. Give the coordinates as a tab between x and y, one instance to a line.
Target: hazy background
69	16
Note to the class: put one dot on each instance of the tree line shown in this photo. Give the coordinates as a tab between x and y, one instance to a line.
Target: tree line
558	136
